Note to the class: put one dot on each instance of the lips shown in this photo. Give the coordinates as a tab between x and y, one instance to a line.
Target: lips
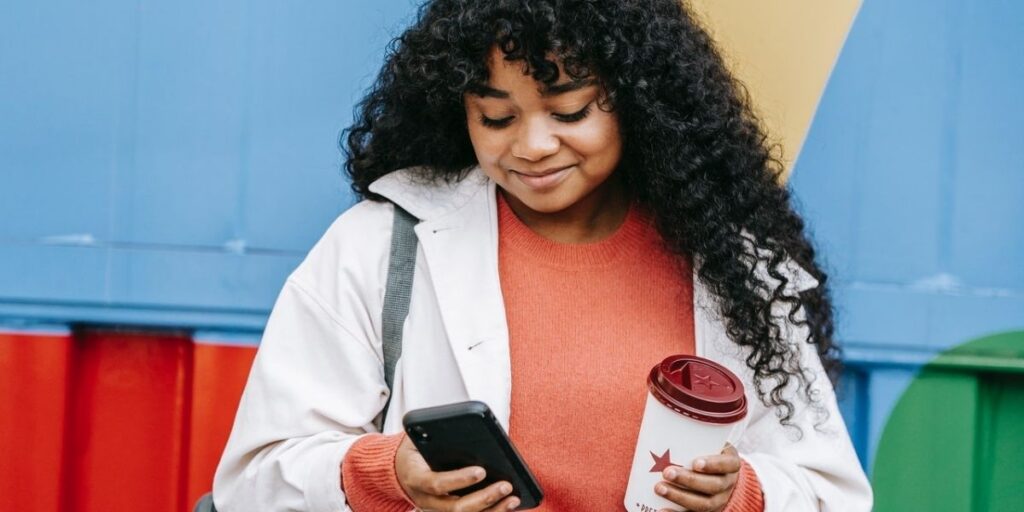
544	179
543	173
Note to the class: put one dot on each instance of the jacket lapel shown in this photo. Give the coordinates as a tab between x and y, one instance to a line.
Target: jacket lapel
459	238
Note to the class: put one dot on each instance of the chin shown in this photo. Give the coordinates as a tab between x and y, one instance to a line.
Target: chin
545	203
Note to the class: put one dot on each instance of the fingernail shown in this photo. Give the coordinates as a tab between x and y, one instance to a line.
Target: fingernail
479	473
670	474
505	488
699	464
660	489
513	504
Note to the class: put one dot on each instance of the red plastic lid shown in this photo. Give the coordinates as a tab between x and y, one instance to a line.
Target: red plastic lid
699	388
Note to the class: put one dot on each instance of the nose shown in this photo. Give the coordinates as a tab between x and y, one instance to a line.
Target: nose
534	141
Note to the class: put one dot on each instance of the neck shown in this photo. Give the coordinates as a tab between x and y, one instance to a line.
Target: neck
593	218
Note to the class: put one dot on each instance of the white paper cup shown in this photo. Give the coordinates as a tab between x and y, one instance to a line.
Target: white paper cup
694	407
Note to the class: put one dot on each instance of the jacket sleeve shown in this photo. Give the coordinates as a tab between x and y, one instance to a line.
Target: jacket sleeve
810	466
813	469
317	383
314	388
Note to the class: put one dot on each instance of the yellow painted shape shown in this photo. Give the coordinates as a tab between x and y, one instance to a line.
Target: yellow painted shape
784	52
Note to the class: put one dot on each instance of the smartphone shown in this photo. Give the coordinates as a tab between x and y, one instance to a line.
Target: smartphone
464	434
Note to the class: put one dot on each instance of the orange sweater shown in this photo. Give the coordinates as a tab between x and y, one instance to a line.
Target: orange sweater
586	324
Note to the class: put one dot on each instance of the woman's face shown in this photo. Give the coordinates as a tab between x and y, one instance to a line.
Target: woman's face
549	148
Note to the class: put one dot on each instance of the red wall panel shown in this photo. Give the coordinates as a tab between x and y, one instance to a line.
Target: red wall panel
33	384
219	376
108	420
128	423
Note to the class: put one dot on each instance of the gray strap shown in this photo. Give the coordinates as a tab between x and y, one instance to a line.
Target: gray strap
401	267
205	504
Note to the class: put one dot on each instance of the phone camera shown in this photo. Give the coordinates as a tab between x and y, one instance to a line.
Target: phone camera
421	433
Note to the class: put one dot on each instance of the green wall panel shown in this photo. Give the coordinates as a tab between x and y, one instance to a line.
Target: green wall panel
955	441
1002	476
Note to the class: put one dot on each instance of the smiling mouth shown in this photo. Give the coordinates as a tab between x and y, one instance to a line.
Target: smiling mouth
545	179
541	174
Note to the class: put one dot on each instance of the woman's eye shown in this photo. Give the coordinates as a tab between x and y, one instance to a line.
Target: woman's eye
575	116
579	115
495	123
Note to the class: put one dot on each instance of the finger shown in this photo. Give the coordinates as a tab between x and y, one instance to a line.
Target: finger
428	503
445	482
726	462
690	500
701	483
484	498
509	503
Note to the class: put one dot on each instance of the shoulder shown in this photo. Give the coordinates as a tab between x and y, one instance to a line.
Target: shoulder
794	277
363	218
354	249
365	227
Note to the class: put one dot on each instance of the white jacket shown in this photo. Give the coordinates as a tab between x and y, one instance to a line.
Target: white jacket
317	383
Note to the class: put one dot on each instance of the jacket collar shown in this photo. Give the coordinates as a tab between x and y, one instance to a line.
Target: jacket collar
427	200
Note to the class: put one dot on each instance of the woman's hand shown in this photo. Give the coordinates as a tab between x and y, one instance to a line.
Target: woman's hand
708	487
430	491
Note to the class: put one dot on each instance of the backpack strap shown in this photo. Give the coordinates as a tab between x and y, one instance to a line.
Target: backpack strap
397	294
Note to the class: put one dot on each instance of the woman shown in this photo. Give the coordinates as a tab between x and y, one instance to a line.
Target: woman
594	194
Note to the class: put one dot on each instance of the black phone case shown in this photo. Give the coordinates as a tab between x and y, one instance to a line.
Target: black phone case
464	434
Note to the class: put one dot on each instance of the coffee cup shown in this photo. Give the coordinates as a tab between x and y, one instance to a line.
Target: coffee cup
694	407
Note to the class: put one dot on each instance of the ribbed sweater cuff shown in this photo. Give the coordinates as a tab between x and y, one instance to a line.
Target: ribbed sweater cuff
369	478
746	496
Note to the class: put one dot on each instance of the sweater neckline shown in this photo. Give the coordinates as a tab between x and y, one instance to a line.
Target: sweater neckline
634	234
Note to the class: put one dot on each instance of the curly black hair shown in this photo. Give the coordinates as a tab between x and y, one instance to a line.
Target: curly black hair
694	153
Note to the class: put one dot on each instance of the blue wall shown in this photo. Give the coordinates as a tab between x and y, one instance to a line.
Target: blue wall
168	163
912	179
171	162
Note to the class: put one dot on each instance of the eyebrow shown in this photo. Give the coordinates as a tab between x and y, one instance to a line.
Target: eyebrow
486	91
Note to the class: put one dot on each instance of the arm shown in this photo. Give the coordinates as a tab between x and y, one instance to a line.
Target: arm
818	470
314	389
303	431
815	468
369	476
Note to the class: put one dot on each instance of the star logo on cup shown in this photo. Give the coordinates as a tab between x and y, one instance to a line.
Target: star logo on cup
705	380
661	463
